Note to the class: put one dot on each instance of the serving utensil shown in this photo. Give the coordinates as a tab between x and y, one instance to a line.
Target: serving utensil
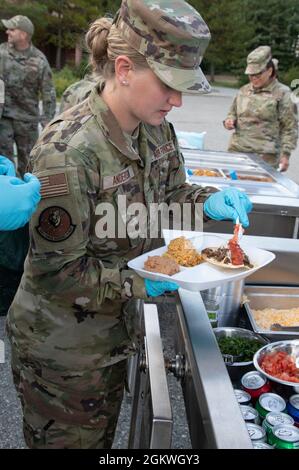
279	327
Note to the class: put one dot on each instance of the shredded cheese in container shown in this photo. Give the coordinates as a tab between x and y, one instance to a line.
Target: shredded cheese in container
285	317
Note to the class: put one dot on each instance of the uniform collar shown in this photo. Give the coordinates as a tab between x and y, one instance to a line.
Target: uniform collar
268	88
20	54
108	123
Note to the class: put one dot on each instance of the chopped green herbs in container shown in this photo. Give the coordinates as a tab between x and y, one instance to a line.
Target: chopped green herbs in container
244	348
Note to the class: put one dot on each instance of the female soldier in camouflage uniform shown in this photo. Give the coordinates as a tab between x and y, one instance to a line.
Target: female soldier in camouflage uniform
69	330
262	114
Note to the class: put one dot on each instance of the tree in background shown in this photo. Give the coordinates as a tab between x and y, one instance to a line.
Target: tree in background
274	23
59	22
227	22
239	26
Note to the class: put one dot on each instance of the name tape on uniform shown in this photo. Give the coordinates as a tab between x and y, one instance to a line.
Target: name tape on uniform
118	179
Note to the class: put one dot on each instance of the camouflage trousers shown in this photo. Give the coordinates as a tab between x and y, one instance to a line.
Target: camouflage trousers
23	134
13	250
9	283
65	410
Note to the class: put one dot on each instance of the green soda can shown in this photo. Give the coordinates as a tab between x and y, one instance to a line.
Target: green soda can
273	419
269	402
285	436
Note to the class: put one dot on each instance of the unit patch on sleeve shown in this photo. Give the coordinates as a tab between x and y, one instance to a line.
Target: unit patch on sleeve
55	224
53	185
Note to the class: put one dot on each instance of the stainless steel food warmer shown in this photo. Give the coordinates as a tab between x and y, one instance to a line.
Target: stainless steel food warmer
274	196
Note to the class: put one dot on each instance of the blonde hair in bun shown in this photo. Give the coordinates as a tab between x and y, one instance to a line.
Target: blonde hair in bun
105	44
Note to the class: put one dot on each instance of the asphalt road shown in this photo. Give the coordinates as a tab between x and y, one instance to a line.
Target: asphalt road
198	114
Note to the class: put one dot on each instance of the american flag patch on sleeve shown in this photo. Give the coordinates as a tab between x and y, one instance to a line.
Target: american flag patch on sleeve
54	185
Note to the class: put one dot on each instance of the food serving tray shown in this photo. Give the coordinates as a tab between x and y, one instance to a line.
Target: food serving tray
261	297
204	275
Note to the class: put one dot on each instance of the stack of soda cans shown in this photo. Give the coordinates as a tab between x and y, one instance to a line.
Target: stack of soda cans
271	421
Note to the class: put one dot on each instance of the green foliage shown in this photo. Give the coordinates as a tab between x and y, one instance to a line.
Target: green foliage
237	27
274	23
290	75
64	78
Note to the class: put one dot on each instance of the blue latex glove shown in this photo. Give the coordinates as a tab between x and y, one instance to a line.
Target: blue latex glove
156	288
18	200
6	167
228	204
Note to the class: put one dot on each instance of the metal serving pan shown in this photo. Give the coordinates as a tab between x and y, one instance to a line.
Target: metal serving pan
252	177
260	297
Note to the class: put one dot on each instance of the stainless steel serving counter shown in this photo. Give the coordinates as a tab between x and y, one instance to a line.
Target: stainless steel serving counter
214	417
209	397
275	197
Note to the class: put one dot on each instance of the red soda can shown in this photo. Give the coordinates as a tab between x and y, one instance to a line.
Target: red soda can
255	384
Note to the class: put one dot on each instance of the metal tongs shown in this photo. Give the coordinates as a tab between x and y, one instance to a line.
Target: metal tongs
279	327
238	232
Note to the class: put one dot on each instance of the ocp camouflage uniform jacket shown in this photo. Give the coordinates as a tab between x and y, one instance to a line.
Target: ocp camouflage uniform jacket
77	92
265	120
68	309
26	75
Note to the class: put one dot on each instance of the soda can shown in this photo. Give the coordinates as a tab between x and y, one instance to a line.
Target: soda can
273	419
250	414
262	445
285	436
255	384
269	402
293	408
256	432
243	398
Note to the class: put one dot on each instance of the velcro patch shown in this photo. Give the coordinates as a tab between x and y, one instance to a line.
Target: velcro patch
55	224
163	150
54	185
118	179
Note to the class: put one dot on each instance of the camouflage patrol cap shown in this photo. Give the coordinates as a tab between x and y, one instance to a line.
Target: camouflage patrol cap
19	22
258	60
172	36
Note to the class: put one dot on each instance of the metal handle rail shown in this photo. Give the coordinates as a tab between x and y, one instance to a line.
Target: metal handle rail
151	421
214	417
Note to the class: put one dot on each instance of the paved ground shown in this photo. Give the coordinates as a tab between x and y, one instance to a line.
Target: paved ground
198	114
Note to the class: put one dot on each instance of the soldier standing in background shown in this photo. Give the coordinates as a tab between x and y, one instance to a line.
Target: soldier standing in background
71	323
27	77
263	115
